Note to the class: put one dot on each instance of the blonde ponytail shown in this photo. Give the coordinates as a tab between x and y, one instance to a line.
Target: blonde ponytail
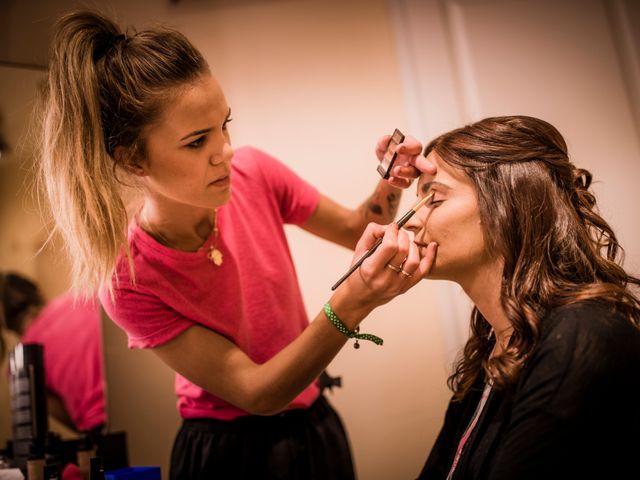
102	89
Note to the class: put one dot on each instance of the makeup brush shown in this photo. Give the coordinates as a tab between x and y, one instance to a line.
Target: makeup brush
405	218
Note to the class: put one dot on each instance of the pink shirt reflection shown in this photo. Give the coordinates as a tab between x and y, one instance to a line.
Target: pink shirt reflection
69	330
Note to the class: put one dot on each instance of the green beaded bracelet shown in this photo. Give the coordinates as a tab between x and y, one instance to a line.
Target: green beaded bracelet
341	327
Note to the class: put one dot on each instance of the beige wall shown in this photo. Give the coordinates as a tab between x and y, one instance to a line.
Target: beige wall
316	83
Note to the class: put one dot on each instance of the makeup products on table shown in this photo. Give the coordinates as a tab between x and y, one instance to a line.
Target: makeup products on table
405	218
390	155
28	404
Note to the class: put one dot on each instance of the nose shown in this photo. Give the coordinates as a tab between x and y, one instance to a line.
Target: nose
416	223
224	155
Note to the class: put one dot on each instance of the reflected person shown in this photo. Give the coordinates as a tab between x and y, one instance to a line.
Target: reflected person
69	331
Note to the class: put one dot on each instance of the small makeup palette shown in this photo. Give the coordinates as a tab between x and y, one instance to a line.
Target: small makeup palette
390	155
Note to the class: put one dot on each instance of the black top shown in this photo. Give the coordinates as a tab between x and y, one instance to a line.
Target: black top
574	413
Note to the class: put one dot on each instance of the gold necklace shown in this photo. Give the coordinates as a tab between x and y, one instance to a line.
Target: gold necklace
214	254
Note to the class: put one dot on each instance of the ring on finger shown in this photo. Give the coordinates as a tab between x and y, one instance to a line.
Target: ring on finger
406	274
394	268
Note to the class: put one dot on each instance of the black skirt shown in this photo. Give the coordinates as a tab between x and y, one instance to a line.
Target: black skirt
305	444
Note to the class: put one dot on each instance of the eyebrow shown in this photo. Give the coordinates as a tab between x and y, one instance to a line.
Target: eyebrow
204	130
197	132
426	186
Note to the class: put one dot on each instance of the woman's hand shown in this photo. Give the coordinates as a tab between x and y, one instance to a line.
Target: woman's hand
391	270
404	169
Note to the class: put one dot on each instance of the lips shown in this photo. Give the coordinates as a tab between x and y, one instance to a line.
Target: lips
221	182
422	247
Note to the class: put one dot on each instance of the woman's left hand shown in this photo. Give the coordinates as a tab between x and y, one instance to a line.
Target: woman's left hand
403	171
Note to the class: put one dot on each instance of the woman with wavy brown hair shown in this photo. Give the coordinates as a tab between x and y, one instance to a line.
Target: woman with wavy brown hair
548	385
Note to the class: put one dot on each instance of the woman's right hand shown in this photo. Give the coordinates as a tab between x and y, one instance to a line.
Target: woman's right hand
391	270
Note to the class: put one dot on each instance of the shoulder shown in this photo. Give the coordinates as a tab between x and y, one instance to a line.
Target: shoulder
255	170
248	158
586	350
590	324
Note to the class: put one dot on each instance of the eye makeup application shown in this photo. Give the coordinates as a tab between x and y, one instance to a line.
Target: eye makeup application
405	218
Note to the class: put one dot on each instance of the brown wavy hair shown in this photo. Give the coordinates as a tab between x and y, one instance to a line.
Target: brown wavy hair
103	88
539	214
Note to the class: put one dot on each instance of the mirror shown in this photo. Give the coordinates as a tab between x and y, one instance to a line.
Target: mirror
139	392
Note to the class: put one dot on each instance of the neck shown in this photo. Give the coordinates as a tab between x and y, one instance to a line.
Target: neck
177	226
485	292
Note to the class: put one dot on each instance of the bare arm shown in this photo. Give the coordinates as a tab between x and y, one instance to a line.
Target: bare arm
57	410
344	226
220	367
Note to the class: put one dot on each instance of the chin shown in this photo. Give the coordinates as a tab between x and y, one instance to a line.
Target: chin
438	273
223	198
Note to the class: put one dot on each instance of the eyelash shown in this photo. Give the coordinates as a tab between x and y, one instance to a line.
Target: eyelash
197	143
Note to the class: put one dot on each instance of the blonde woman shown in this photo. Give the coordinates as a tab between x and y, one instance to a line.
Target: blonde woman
202	273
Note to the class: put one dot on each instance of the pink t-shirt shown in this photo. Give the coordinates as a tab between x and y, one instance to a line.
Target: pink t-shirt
253	298
69	330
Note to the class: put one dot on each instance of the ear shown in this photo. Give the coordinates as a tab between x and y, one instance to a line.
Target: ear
130	161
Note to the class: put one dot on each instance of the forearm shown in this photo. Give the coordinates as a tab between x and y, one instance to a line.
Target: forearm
344	226
275	384
381	206
57	410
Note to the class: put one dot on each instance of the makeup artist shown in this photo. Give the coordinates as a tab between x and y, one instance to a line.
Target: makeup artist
202	273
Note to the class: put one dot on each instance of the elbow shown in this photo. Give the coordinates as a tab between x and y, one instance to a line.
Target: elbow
266	404
265	399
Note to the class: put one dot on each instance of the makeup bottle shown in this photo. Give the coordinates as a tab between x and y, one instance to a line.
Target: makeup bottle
86	451
52	456
51	471
96	471
28	402
35	463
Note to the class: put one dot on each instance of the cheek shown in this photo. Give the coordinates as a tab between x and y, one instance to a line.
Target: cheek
460	231
438	225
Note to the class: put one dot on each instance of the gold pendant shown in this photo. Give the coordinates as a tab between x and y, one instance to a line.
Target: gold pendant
215	256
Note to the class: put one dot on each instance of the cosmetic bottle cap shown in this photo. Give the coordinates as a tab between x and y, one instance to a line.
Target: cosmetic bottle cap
52	471
36	452
96	471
